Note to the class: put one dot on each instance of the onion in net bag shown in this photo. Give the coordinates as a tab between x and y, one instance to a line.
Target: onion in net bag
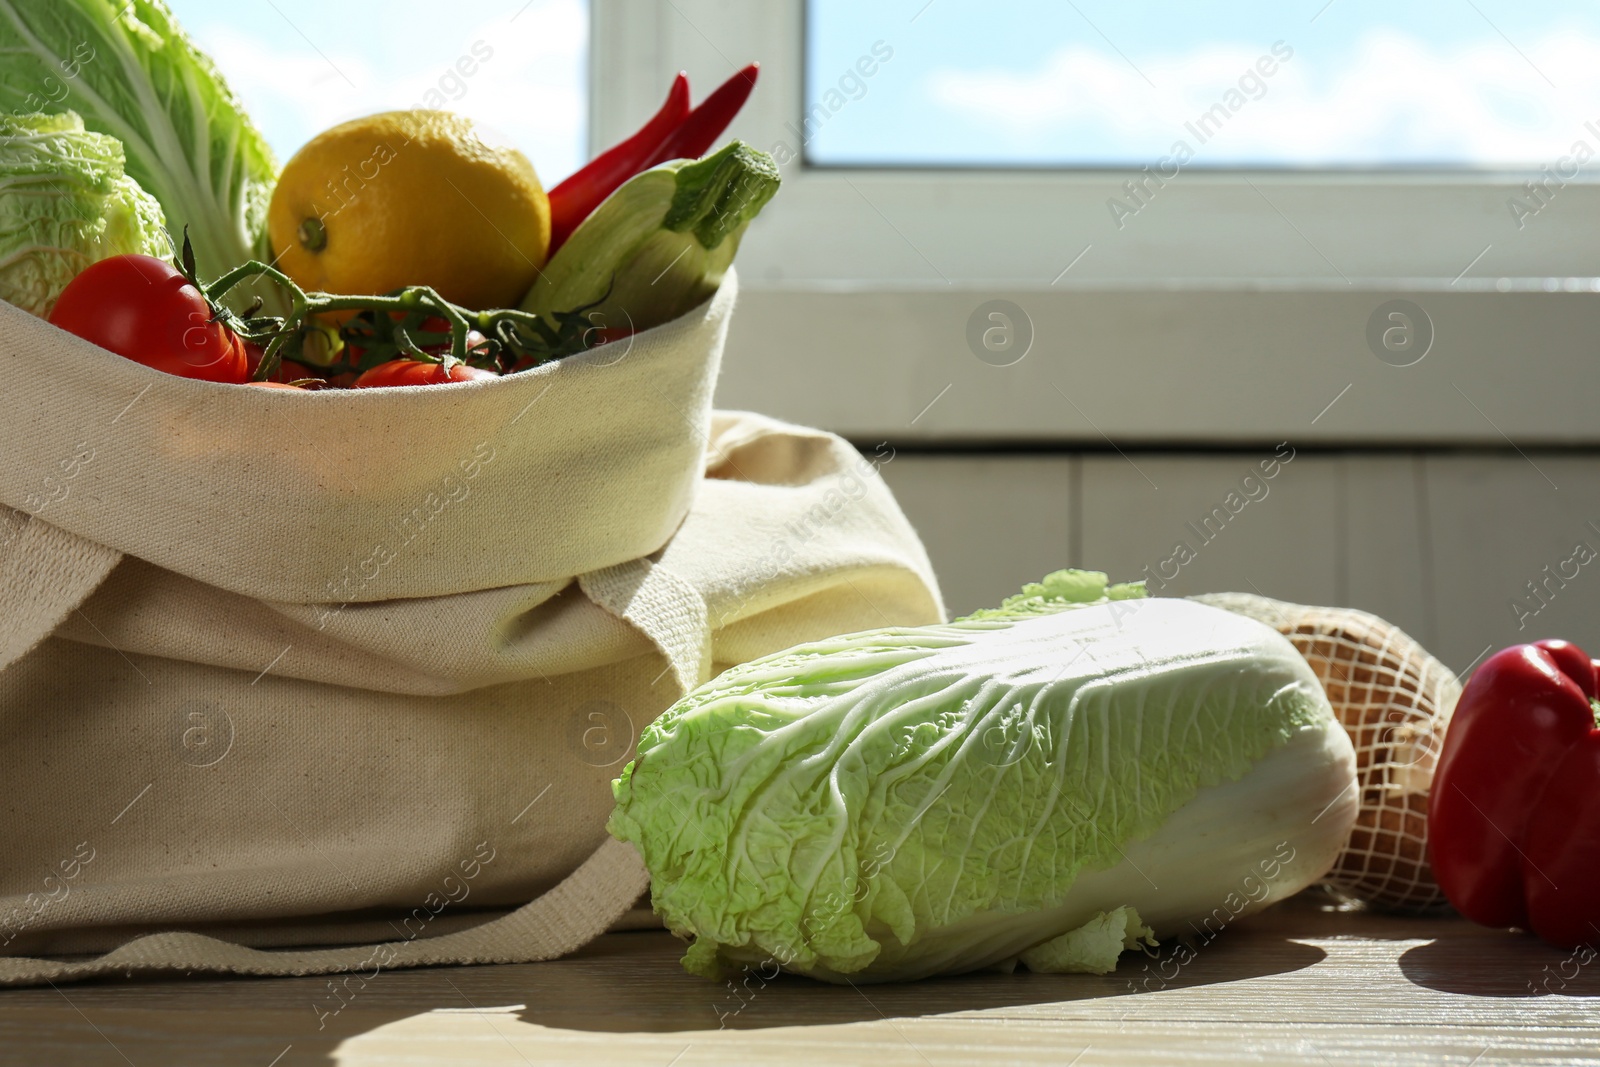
1395	700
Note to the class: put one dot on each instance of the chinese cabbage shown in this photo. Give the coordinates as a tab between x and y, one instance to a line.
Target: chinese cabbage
65	203
130	71
913	801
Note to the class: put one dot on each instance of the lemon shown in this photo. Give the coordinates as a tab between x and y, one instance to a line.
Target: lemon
411	198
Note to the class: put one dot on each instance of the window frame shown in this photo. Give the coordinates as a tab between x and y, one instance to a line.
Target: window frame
1309	241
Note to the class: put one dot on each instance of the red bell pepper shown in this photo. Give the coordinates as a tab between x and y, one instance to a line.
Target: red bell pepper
1514	812
575	198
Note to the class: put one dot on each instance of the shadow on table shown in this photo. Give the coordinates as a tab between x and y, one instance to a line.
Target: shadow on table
622	983
668	999
1500	963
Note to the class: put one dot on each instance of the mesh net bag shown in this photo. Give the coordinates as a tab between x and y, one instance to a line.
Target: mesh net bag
1395	700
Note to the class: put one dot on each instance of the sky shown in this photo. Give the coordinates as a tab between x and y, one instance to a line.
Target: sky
1476	83
301	66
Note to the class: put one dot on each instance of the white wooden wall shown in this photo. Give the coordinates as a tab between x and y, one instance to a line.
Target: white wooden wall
1438	543
1408	495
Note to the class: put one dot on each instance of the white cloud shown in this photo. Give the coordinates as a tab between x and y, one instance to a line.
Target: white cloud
1394	97
531	88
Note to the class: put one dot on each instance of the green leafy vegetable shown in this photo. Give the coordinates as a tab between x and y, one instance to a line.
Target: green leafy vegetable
914	801
65	203
1092	948
130	71
659	245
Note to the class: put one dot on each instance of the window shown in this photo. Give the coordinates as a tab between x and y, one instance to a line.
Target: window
916	226
1248	84
301	66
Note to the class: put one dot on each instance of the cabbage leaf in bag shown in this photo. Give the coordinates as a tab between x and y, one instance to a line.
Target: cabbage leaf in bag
65	203
128	68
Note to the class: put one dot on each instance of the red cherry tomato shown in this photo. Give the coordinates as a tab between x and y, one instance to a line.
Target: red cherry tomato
605	335
288	369
142	308
439	324
354	354
416	372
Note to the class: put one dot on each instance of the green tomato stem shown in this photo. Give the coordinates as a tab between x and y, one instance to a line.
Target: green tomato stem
512	334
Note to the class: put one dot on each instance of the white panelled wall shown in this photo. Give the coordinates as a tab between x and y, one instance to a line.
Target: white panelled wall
1440	543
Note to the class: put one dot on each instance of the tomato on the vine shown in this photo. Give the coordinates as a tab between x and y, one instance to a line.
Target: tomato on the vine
416	372
288	370
477	344
143	308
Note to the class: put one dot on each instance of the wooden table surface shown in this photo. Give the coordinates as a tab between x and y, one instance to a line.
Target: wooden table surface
1298	984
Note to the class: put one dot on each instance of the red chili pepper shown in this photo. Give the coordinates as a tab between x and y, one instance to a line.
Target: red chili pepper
575	198
1514	816
706	122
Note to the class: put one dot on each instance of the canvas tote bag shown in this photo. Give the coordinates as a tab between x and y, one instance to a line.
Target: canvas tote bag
297	683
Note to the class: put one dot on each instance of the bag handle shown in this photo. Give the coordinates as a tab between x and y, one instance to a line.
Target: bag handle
566	918
664	607
45	574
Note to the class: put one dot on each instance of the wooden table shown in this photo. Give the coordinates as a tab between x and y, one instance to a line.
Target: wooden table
1298	984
